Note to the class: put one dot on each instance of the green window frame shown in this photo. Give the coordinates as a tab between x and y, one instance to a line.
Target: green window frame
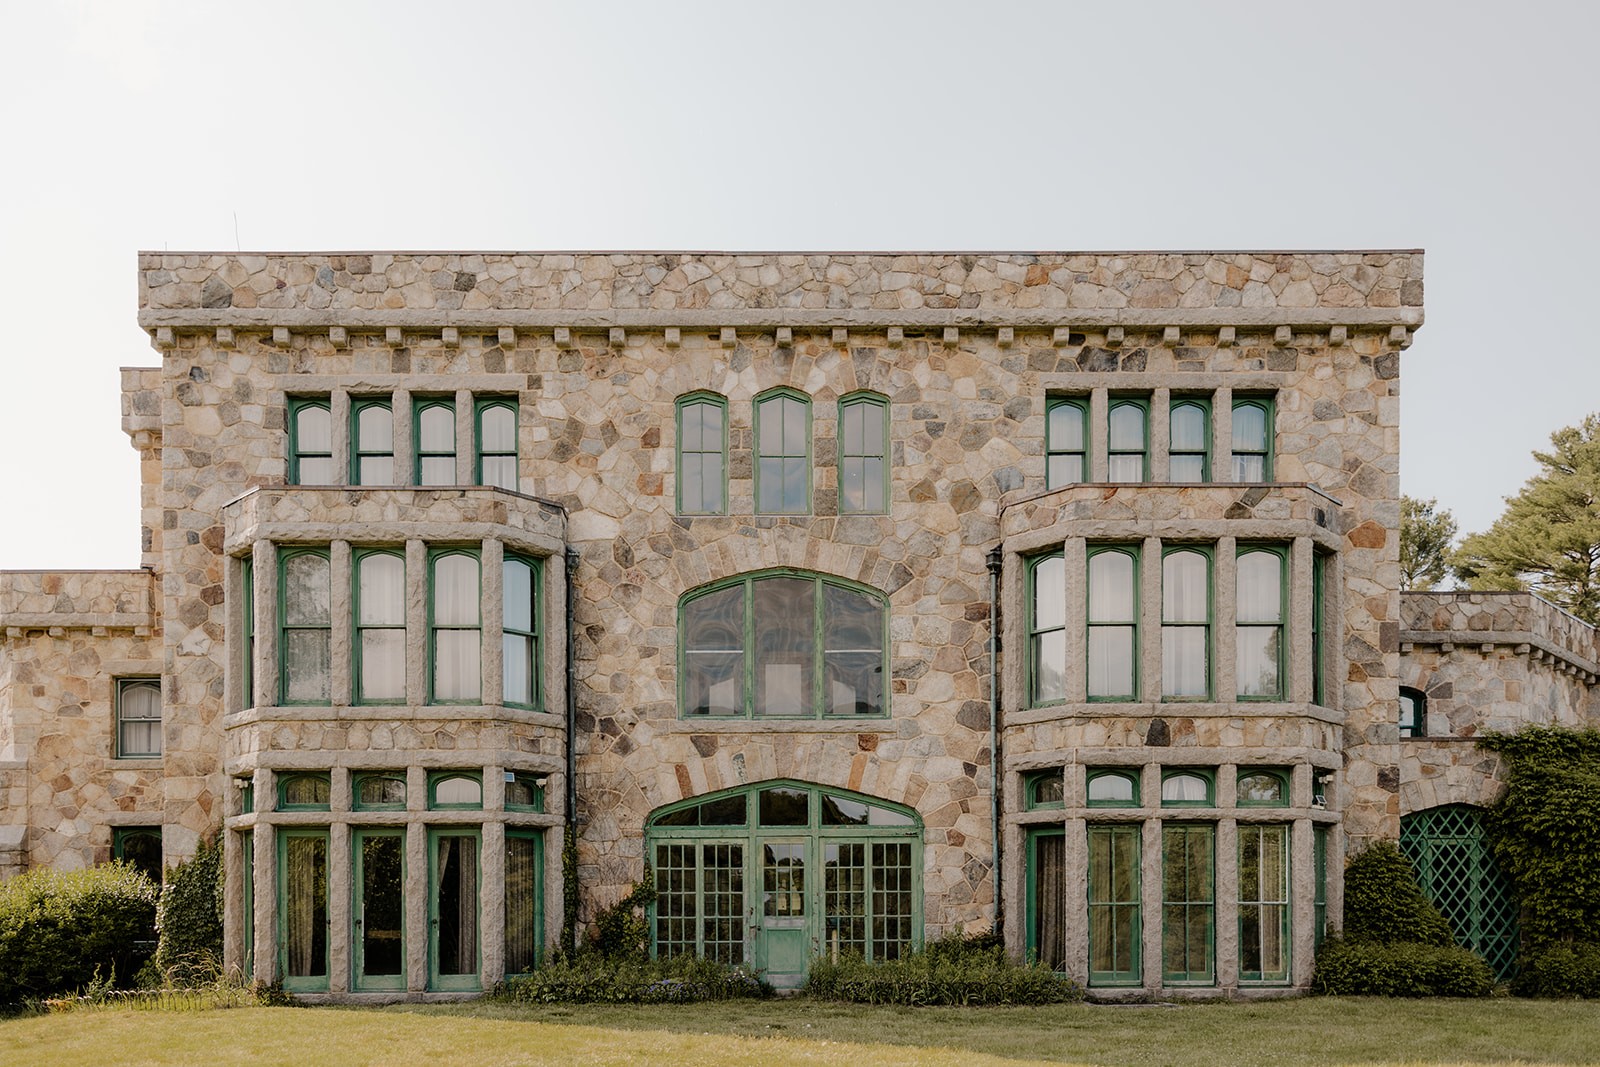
1189	440
1113	613
1413	712
305	627
1319	622
1128	439
1253	433
1114	788
1259	787
247	887
863	454
1066	441
1047	897
1045	789
140	848
378	580
782	428
1260	608
433	443
1188	903
495	461
1186	612
247	795
457	790
1115	935
372	441
380	791
310	421
455	626
455	932
303	916
305	792
747	649
1188	787
702	462
247	670
1047	629
524	896
1264	903
1319	860
524	791
377	908
138	718
521	657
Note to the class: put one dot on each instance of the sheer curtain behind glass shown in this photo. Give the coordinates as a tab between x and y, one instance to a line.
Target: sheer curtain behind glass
381	619
1188	454
1111	624
375	445
456	899
141	718
1050	900
1259	609
497	446
307	634
518	654
1249	443
1049	630
1126	443
1185	606
455	622
313	442
436	445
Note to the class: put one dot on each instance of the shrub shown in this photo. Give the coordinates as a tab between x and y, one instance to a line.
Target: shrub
590	977
1406	969
1569	969
955	969
1383	903
189	919
622	931
59	928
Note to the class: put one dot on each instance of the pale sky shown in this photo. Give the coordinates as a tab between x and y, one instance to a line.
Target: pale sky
1468	129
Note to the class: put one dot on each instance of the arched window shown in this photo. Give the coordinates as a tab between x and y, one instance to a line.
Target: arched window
435	442
304	792
783	644
863	448
1258	634
1252	440
455	789
1186	788
455	626
1186	624
380	792
1268	789
310	441
1128	440
1113	648
305	637
1046	789
1066	442
783	453
1413	713
497	443
372	434
1190	424
1113	789
1047	630
702	454
380	579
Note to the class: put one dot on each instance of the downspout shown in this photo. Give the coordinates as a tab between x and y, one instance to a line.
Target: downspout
570	834
995	559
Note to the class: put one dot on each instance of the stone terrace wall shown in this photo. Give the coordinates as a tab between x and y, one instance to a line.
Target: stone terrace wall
1506	617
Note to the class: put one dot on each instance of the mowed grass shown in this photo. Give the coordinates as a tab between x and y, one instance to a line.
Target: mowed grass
1311	1031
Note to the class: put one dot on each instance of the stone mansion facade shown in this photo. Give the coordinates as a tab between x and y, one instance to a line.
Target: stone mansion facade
703	553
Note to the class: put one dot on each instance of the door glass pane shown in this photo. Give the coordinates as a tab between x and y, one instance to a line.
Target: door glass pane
891	899
676	899
785	639
1113	903
305	919
1188	903
1050	900
722	903
783	879
456	903
844	896
524	883
382	905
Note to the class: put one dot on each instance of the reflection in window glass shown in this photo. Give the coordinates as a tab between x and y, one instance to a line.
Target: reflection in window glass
1413	713
714	653
852	665
861	460
1260	789
383	791
785	807
784	613
783	448
1049	790
1048	642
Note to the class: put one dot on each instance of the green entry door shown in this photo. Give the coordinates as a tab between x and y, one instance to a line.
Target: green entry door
783	934
453	939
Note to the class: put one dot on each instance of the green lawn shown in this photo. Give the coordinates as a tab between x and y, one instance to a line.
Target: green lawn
1311	1031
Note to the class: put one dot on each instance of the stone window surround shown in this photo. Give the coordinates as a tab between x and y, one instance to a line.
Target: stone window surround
491	553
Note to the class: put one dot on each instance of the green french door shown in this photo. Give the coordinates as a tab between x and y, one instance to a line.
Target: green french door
1189	903
781	924
303	910
454	942
378	919
524	900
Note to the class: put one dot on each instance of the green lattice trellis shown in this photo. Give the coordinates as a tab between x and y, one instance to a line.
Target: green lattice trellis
1450	851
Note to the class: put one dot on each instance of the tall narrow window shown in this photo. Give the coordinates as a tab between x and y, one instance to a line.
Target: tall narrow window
454	644
1066	449
1188	902
1190	421
1113	624
372	457
310	441
1047	629
305	638
524	900
1263	903
1319	590
1114	937
863	442
520	640
138	718
303	908
380	628
1186	624
1127	441
1259	633
1319	855
1047	897
702	454
247	572
1413	713
497	443
1252	440
436	443
453	908
783	454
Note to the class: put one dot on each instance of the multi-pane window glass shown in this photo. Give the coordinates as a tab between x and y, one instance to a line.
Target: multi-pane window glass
519	640
1185	624
702	455
1413	713
862	429
1127	439
783	454
1113	789
1190	456
1188	902
1263	903
1252	440
381	627
1047	928
783	645
1114	935
1113	625
372	458
1066	449
454	648
436	443
1258	635
306	636
700	900
497	443
311	443
138	717
1048	630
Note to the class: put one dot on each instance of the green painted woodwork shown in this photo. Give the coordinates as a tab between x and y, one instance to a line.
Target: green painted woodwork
782	468
1188	904
494	455
1259	625
1115	927
373	629
1456	869
1066	441
1319	623
1185	624
1114	788
1189	437
304	792
371	441
378	948
863	454
303	909
1252	456
1046	897
522	651
1128	453
523	792
1263	903
461	625
310	460
138	718
1413	712
455	940
431	460
247	888
139	846
1047	630
1045	789
702	460
1319	857
305	626
247	669
1113	630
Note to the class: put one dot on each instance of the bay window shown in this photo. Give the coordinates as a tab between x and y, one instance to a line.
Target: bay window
1259	615
454	626
305	635
1186	624
380	645
1113	646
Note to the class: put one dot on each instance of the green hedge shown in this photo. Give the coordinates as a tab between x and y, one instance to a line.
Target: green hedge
1570	969
58	929
952	970
592	978
1383	903
1408	969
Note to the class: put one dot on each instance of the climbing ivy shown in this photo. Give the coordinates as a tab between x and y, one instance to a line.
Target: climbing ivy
189	918
569	889
1546	829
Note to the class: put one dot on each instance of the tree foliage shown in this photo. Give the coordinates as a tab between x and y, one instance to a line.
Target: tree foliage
1426	533
1548	538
